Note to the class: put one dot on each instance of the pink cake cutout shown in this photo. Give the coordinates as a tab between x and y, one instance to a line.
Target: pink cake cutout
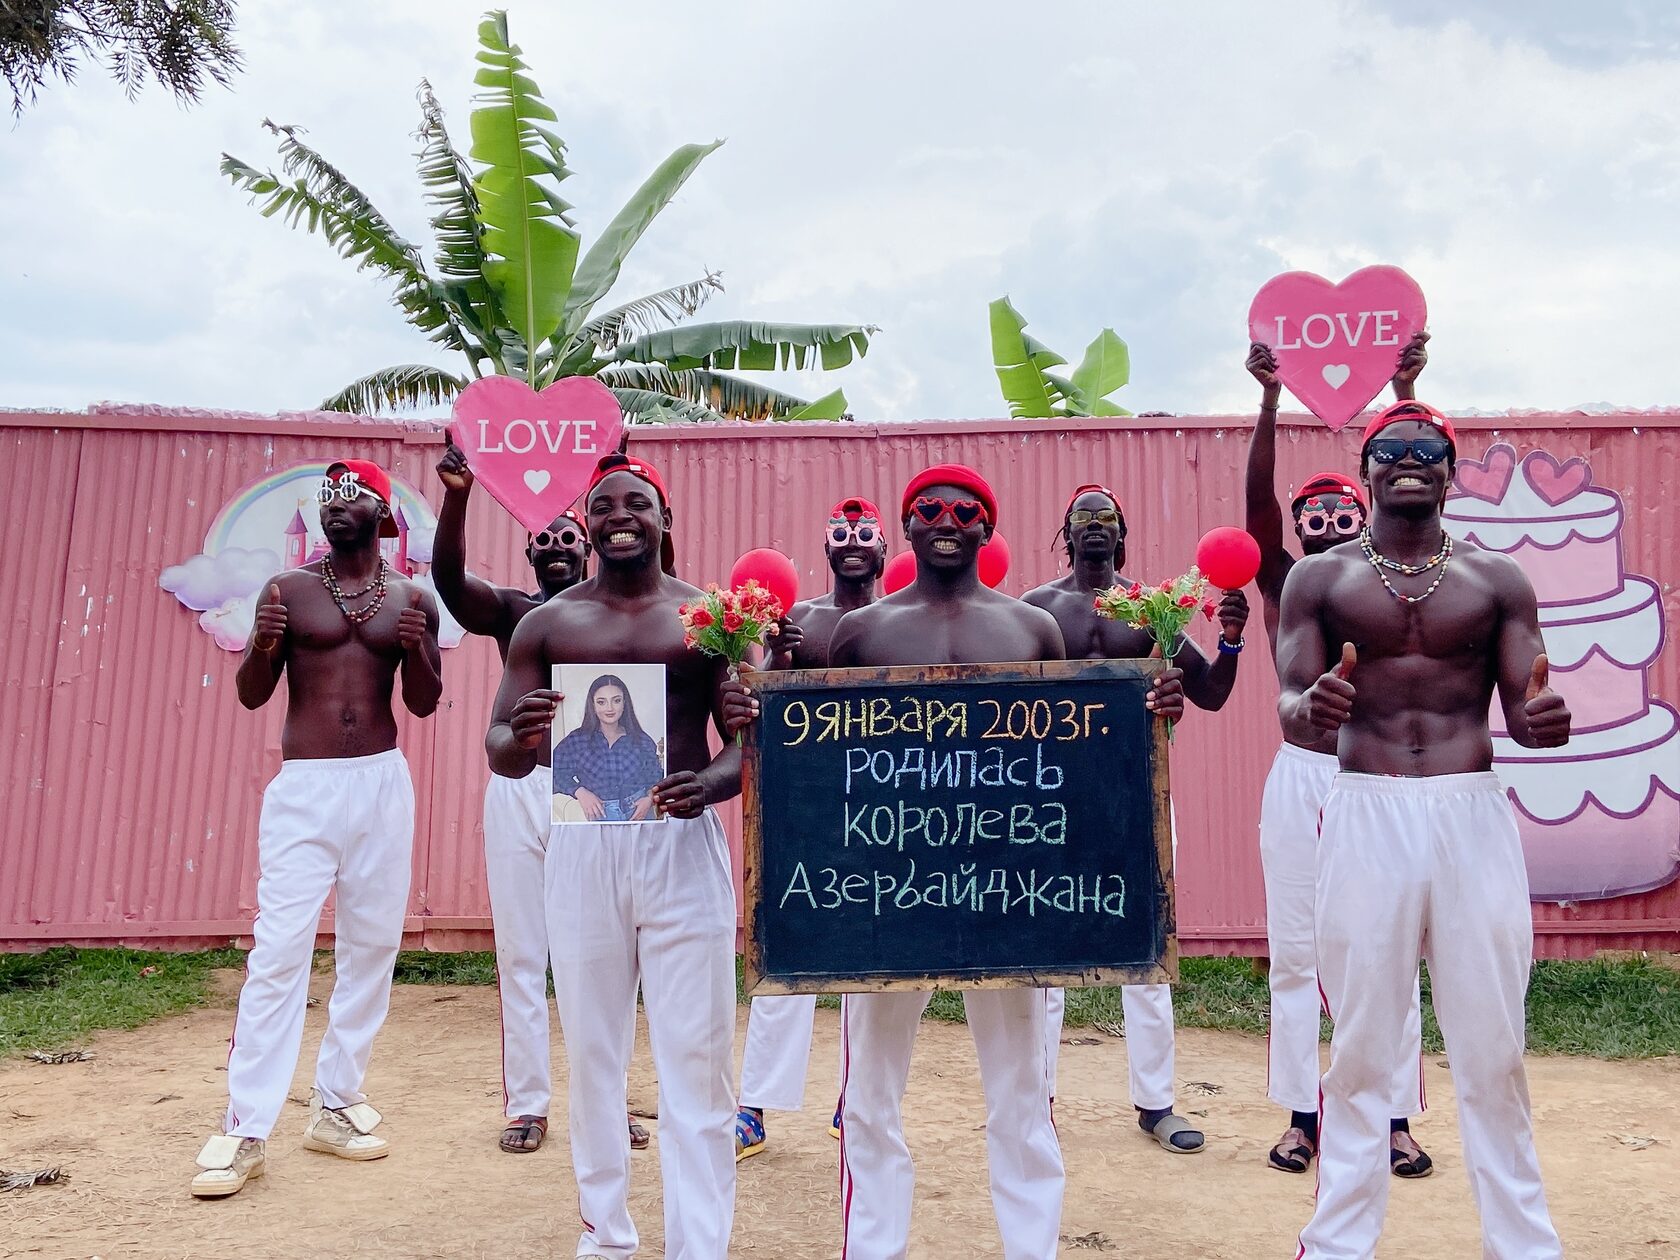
1600	817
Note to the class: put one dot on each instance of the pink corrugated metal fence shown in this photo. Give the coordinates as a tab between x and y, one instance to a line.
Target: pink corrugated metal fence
132	776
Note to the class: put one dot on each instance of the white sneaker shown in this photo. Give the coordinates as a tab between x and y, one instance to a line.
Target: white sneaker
344	1131
228	1163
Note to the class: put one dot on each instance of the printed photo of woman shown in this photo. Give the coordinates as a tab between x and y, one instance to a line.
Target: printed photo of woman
609	764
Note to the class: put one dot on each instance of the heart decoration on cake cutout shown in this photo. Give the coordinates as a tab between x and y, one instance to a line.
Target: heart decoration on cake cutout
1337	345
1555	482
1487	479
535	452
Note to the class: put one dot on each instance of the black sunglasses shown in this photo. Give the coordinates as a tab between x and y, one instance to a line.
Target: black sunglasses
547	540
1425	450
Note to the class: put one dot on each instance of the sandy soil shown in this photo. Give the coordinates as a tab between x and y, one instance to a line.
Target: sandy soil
127	1125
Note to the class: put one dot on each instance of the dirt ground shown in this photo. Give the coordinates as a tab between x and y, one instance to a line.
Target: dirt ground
127	1125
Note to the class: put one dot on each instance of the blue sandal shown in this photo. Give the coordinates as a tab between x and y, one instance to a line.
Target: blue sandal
749	1132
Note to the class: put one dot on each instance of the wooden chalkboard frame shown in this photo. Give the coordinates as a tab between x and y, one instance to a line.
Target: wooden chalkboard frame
1163	971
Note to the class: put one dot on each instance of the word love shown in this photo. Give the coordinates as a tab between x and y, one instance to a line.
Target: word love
523	436
1337	345
535	452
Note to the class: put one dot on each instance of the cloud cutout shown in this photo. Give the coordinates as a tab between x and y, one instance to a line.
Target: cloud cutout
420	542
208	582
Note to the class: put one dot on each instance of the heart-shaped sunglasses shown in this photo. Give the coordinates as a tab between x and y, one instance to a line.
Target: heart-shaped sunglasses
965	512
864	533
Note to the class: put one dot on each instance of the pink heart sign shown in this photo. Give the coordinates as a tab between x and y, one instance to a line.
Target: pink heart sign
1337	345
536	452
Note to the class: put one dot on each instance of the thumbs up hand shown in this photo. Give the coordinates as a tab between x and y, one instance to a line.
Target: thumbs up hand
411	622
1330	700
268	631
1548	715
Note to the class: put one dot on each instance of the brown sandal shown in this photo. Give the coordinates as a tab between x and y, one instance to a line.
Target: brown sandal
524	1135
638	1135
1293	1154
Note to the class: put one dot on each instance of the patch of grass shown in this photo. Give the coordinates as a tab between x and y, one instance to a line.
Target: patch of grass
52	1001
1602	1009
1607	1009
417	966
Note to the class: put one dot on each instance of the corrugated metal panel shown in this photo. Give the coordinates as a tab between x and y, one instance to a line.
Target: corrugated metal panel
142	826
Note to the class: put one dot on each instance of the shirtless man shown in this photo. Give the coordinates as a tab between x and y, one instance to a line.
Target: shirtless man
1327	509
652	900
1094	533
774	1064
1396	644
338	818
948	617
516	812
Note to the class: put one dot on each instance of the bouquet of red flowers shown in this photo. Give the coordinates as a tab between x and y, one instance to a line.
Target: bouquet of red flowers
727	622
1164	610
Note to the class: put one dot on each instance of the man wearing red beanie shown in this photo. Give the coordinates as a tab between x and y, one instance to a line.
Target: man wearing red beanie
338	819
947	616
650	901
778	1049
1094	534
1327	509
1396	646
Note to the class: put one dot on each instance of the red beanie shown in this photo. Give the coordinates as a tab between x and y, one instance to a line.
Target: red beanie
376	479
1327	483
960	475
1406	409
1093	488
854	509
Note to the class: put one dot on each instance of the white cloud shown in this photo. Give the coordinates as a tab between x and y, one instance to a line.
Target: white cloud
209	582
1139	166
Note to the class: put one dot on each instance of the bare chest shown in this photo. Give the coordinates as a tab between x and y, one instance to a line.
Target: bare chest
315	623
1460	617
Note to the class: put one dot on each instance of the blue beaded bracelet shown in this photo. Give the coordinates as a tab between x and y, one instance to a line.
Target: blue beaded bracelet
1231	649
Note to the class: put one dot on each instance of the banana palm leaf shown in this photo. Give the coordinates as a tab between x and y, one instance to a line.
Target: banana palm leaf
598	271
351	224
727	395
646	406
648	314
749	346
529	244
459	254
1107	366
831	406
1018	371
405	385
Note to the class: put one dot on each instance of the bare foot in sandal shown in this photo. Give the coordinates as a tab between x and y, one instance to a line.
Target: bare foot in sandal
524	1135
638	1135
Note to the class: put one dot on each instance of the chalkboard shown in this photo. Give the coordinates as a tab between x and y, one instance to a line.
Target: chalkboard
964	826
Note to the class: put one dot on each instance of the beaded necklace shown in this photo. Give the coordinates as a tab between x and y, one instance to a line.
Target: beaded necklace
329	579
1379	562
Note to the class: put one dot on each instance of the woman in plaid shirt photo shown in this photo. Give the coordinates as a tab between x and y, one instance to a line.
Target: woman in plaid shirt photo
609	764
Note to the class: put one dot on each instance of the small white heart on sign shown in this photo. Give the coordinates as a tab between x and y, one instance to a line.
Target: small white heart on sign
536	480
1335	374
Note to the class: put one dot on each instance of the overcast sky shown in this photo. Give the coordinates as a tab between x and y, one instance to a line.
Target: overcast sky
1137	165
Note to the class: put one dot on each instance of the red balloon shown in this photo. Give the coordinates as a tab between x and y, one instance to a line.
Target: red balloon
1229	557
900	572
994	560
771	570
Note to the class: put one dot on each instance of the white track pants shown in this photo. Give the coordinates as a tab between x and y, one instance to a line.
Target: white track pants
877	1180
778	1052
654	901
516	826
1295	791
341	826
1148	1012
1430	867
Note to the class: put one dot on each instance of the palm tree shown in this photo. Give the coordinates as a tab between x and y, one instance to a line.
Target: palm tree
508	288
1033	391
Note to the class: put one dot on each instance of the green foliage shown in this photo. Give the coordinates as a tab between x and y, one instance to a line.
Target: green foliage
1034	392
180	43
509	285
